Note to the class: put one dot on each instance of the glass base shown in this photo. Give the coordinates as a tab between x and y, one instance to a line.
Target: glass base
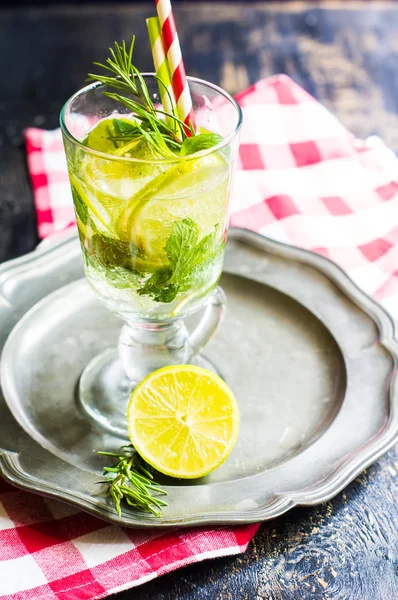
104	391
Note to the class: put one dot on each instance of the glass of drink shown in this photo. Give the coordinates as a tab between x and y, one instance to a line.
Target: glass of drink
152	233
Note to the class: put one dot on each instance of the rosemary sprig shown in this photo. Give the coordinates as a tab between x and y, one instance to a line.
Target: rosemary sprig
165	135
130	480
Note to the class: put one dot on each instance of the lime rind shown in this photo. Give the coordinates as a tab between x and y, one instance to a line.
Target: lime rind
92	201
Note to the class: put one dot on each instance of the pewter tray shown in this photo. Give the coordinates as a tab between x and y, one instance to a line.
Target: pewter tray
311	360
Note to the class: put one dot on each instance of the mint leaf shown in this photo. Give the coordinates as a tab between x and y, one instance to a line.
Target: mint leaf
122	278
181	243
119	277
80	206
124	129
201	252
196	143
186	256
159	287
110	252
122	132
184	251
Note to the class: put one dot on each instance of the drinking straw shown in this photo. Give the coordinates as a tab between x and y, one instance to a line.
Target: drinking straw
161	66
172	50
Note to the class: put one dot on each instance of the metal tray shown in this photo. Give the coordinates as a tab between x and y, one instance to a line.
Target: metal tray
311	359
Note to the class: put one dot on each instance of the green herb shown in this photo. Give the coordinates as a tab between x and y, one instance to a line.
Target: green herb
183	249
110	252
186	253
168	137
158	286
122	278
131	480
123	129
80	206
199	142
150	123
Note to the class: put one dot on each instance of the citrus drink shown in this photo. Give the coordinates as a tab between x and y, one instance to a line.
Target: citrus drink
152	231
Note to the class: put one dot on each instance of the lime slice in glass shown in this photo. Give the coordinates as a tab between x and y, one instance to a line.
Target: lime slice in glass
195	189
99	206
112	176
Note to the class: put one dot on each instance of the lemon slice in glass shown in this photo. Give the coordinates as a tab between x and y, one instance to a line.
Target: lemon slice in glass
183	420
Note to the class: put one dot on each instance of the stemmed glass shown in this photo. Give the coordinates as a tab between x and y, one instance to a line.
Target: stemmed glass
152	234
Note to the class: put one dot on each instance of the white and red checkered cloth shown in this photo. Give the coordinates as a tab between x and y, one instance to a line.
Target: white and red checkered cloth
52	551
302	179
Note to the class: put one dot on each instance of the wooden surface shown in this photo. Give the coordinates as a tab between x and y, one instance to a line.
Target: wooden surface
346	56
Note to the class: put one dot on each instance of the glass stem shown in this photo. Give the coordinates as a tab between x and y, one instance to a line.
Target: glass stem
146	347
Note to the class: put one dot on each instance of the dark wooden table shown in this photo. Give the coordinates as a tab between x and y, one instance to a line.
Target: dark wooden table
345	54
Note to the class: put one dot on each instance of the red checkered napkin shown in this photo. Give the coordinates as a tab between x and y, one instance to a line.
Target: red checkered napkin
302	179
52	551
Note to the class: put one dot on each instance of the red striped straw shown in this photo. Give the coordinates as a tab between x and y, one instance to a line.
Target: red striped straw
176	65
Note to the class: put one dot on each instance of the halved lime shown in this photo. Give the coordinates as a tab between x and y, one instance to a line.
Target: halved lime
183	420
